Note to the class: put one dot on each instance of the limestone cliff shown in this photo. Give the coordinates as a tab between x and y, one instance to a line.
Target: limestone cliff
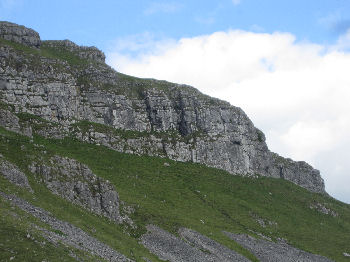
72	87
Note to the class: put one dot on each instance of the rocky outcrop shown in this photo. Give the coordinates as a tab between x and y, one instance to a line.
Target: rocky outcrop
70	235
323	209
11	122
170	248
155	117
83	52
75	182
268	251
19	34
13	174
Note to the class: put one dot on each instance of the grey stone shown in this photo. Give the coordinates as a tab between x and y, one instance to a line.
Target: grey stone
75	182
268	251
72	235
193	247
323	209
218	251
170	248
13	174
19	34
168	120
11	122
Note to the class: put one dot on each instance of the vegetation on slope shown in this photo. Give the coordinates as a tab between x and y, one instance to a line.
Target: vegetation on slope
163	192
179	194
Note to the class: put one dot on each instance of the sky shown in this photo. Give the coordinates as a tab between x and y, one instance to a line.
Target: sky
285	63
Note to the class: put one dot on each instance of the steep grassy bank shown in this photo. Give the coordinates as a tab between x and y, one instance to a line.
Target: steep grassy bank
174	194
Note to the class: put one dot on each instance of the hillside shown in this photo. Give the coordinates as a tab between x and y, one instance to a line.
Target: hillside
100	165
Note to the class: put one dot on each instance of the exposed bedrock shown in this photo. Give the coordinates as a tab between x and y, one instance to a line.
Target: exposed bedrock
268	251
174	121
19	34
85	52
75	182
194	247
13	174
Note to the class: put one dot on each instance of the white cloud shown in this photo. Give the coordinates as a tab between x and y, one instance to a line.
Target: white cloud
298	93
343	42
162	7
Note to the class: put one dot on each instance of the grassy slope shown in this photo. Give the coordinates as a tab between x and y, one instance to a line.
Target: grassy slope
185	194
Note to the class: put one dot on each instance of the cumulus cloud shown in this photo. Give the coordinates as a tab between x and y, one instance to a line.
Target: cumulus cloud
296	92
343	42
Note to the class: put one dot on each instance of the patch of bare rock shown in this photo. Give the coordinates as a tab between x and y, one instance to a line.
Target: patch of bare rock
268	251
13	174
323	209
195	247
75	182
71	235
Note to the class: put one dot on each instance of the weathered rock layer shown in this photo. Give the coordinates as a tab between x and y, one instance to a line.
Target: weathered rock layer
76	182
156	117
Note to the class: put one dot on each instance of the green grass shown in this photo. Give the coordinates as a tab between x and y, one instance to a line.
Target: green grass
184	195
22	241
63	54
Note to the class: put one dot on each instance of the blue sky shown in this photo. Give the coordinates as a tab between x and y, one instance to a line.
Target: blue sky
100	22
285	63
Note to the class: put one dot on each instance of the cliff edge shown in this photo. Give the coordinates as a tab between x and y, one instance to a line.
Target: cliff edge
73	88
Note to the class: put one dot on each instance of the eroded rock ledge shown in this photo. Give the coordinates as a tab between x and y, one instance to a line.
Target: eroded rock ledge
165	119
84	52
75	182
19	34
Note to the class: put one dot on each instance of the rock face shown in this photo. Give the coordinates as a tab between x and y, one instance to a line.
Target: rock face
76	182
19	34
11	122
267	251
146	116
14	174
